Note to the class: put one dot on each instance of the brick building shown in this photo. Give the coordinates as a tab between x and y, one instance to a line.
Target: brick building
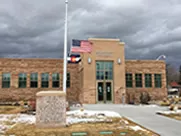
103	76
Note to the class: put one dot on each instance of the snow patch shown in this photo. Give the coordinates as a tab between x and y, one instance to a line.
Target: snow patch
87	116
137	128
169	112
89	113
7	121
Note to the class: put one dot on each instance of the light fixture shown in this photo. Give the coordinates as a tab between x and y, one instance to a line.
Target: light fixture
161	57
89	60
119	61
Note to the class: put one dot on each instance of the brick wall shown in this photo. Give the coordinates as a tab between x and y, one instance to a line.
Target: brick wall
78	88
16	66
144	67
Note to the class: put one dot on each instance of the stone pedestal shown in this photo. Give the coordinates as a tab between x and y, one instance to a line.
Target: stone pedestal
50	109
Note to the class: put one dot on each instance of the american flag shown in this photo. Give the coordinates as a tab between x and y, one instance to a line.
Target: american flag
81	46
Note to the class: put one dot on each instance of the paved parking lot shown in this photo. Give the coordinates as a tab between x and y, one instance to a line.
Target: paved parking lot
145	116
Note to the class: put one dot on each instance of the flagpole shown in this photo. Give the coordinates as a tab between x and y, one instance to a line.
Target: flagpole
65	48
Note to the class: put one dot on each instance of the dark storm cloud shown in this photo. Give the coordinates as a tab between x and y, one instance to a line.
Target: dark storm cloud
34	28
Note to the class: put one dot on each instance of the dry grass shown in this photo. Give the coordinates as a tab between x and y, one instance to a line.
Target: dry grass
116	126
169	101
10	109
174	116
92	129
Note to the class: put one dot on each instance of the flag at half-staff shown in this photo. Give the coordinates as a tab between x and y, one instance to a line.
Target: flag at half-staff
81	46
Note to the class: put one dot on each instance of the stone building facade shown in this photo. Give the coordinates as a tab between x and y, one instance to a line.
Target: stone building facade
102	76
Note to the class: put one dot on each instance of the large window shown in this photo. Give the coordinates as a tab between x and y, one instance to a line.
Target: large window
129	80
22	80
158	81
55	80
104	70
68	80
44	80
6	78
138	79
148	80
34	80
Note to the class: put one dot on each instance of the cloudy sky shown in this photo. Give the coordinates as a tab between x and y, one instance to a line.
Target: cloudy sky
35	28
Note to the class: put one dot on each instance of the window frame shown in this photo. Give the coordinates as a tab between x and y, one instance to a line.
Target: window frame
148	80
104	70
7	81
23	81
56	81
45	83
129	80
34	80
138	83
158	81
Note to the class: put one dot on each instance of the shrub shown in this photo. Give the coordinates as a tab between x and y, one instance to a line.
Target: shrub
145	98
167	103
165	100
176	100
32	105
172	107
179	107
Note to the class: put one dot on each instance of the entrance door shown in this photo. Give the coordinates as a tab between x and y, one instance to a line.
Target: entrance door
104	92
100	91
104	81
108	92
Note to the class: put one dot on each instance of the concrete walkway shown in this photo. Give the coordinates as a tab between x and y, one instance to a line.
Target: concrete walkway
145	116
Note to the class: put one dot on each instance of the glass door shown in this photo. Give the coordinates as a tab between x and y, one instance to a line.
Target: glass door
108	92
100	92
104	81
104	92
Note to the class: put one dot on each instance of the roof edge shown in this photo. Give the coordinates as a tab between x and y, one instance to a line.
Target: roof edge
31	58
145	60
104	39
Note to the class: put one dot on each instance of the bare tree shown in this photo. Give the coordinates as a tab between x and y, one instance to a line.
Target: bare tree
172	74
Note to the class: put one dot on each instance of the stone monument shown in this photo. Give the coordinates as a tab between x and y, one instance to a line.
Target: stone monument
51	109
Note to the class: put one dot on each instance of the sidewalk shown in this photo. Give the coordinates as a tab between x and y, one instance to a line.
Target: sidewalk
145	116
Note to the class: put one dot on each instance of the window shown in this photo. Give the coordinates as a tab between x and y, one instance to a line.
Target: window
158	81
44	80
55	80
22	80
6	77
138	78
34	80
129	80
68	80
148	80
104	70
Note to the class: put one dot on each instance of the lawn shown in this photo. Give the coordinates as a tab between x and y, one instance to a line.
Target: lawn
174	116
117	127
11	109
93	123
